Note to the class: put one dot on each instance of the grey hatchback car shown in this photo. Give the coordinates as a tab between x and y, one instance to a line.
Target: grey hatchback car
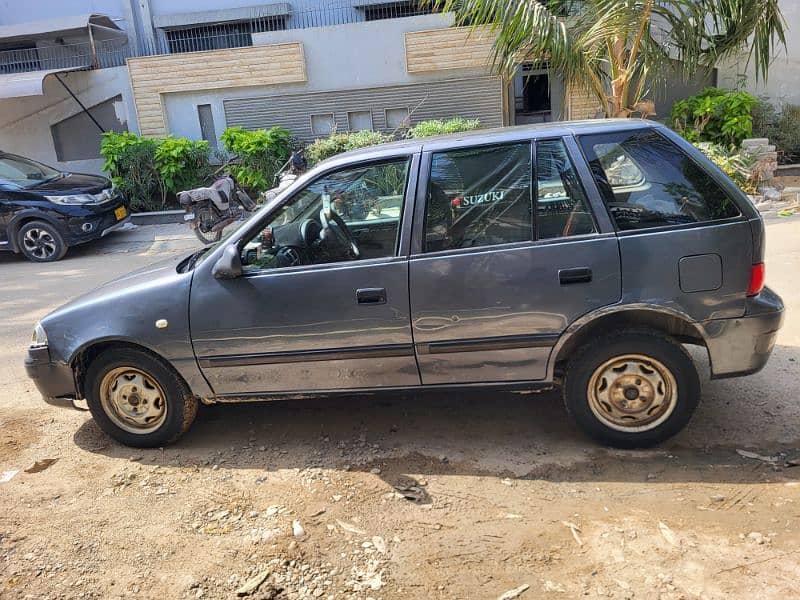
581	254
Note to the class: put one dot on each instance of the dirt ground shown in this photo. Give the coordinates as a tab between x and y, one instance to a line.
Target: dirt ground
468	495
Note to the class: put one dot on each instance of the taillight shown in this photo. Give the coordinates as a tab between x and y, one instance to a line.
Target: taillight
756	279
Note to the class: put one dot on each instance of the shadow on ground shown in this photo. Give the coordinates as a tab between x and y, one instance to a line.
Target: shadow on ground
496	434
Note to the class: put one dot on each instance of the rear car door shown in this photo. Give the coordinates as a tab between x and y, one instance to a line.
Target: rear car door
507	252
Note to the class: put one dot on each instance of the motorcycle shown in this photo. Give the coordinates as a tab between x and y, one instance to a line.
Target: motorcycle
287	174
211	209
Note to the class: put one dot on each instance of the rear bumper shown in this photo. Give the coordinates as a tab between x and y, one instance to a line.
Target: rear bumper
742	346
53	379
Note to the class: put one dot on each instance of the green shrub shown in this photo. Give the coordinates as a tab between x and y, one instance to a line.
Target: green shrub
260	154
786	134
182	164
130	162
151	170
736	165
337	143
715	115
437	127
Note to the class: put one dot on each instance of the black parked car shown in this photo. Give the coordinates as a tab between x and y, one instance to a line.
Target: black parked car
44	211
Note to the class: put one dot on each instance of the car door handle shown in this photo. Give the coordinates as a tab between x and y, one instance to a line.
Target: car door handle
371	296
577	275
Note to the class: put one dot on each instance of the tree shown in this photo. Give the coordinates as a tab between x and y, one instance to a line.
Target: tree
616	48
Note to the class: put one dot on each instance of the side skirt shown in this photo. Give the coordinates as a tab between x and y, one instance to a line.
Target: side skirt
509	386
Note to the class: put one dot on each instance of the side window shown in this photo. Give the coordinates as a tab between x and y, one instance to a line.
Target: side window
647	181
479	197
561	206
350	214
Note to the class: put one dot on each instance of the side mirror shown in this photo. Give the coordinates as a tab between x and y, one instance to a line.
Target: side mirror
229	265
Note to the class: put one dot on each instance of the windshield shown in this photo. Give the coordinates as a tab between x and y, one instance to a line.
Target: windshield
21	173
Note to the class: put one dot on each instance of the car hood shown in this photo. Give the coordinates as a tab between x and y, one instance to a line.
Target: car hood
72	183
136	283
126	309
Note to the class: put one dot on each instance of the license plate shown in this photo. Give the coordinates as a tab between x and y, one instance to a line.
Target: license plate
121	212
188	217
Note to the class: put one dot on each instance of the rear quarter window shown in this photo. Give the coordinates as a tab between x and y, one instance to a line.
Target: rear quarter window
647	181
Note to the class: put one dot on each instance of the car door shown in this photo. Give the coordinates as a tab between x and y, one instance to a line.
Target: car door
505	256
327	323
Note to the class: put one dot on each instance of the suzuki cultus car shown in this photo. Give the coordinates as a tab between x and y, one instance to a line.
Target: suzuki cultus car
581	254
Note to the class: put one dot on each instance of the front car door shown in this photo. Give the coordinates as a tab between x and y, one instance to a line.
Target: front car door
507	252
307	314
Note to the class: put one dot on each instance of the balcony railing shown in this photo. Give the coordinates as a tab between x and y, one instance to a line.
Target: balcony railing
237	34
105	53
211	36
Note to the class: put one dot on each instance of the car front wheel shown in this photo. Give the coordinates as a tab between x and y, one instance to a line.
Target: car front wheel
39	241
631	389
137	399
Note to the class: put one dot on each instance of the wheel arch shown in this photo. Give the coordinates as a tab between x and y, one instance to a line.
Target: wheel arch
83	357
26	217
665	320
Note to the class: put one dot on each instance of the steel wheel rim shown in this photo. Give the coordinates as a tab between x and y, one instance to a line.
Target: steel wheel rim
133	400
39	243
632	393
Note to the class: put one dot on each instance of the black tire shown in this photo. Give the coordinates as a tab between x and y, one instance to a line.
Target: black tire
179	404
39	241
603	352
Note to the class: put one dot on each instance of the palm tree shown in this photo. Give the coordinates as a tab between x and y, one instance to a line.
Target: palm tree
616	48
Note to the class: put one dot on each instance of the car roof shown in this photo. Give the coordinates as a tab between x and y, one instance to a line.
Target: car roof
491	136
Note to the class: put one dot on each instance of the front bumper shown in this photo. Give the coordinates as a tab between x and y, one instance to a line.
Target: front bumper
100	222
742	346
53	379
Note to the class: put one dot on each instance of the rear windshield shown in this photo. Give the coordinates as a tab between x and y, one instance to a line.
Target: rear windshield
647	181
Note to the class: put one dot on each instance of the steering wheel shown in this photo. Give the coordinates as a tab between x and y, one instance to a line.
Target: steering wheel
341	231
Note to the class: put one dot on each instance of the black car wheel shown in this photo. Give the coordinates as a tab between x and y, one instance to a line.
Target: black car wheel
138	399
39	241
631	389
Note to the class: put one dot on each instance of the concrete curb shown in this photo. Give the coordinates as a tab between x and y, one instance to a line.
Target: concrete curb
159	217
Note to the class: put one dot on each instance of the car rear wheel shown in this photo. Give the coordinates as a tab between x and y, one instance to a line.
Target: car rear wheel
631	389
39	241
137	399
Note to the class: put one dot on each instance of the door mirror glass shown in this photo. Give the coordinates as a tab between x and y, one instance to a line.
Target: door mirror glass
229	265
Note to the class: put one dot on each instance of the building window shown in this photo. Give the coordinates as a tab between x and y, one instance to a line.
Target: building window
207	129
78	138
221	35
322	124
359	120
397	118
393	10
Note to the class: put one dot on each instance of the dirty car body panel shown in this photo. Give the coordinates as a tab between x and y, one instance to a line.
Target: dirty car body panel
493	314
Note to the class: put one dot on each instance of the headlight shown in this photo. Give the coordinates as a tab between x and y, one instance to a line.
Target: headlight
73	199
39	338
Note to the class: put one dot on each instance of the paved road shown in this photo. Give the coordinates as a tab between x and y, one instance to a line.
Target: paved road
763	409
